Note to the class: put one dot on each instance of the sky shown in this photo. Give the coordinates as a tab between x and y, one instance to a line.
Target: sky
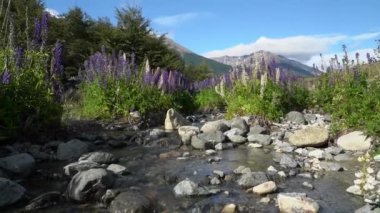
297	29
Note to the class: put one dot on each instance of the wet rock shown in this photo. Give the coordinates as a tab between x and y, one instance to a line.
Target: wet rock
307	185
354	189
237	139
170	154
117	169
343	157
215	181
73	168
186	188
214	159
310	136
10	192
198	143
354	141
174	120
131	201
295	117
282	174
45	200
20	164
281	146
305	175
252	179
210	152
116	143
257	129
288	162
39	155
271	169
265	200
265	188
219	173
296	202
89	185
223	146
368	209
98	157
255	145
333	150
212	126
229	208
71	150
109	196
302	152
318	153
156	133
234	131
331	166
242	170
264	140
240	123
213	137
186	132
376	158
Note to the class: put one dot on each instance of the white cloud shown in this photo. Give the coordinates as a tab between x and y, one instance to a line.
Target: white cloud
175	19
301	48
53	12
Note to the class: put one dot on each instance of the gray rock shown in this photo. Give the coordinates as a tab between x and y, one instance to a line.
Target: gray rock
234	131
318	153
331	166
310	118
212	126
213	137
288	162
333	150
307	185
257	129
305	175
174	120
131	201
215	181
237	139
378	176
45	200
311	136
242	170
254	145
117	169
210	152
354	189
240	123
295	117
354	141
99	157
265	188
186	188
252	179
89	185
376	158
219	173
197	142
296	202
223	146
10	192
343	157
186	132
71	150
20	164
264	140
73	168
157	133
367	208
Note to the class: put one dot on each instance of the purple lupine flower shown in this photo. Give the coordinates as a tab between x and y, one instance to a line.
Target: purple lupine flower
44	28
37	32
19	57
57	59
156	77
6	77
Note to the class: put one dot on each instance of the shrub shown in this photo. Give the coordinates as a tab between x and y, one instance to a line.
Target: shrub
208	99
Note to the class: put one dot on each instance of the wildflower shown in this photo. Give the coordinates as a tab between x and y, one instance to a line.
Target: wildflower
57	59
19	57
359	174
6	77
369	170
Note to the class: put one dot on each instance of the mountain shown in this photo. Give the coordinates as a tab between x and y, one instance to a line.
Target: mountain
194	59
295	67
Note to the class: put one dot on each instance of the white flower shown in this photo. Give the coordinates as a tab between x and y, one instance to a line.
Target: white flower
358	174
361	159
370	170
358	181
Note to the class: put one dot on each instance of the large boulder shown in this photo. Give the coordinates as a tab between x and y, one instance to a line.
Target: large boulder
10	192
251	179
354	141
186	132
241	124
198	143
73	168
265	188
43	201
174	120
98	157
213	137
131	201
186	188
20	165
71	150
310	136
264	140
90	184
237	139
295	117
296	202
212	126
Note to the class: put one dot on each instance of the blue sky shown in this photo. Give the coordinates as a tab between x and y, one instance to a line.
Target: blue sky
298	29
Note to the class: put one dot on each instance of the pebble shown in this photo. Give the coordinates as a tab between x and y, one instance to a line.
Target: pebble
307	185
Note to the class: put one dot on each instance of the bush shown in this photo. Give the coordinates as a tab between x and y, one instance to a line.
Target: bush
208	99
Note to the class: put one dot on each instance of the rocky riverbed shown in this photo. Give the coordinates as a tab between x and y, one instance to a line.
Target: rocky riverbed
198	164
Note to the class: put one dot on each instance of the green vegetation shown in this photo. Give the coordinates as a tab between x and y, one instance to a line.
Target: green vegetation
208	99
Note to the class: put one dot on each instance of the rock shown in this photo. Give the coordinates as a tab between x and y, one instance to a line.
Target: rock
212	137
331	166
71	150
318	153
376	158
240	123
310	118
38	155
212	126
210	152
223	146
282	174
354	189
302	152
265	188
219	173
45	200
271	169
265	200
186	132
170	154
156	133
255	145
257	129
311	136
378	175
20	164
237	139
198	143
73	168
288	162
307	185
98	157
234	131
215	181
354	141
131	201
252	179
367	208
333	150
116	144
295	117
10	192
296	202
117	169
242	170
89	185
343	157
264	140
229	208
186	188
174	120
305	175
